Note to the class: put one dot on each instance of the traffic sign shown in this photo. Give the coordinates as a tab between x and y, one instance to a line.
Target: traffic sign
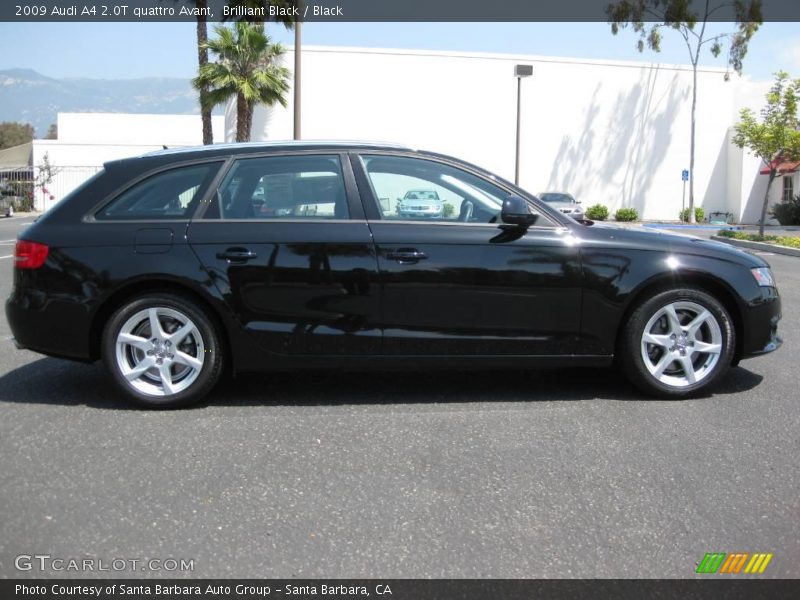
685	175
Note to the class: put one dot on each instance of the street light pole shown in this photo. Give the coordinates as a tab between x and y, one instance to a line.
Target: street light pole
520	71
519	102
297	74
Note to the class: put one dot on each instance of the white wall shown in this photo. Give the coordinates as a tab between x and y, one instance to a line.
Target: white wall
610	132
87	140
135	129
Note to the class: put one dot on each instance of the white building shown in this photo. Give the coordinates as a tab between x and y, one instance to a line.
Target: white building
87	140
616	133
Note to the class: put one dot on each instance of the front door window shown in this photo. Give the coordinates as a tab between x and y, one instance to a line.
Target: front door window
412	189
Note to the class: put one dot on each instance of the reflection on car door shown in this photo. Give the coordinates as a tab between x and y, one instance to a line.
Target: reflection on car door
466	287
286	243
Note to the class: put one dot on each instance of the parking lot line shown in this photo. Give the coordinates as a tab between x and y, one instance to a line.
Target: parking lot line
7	256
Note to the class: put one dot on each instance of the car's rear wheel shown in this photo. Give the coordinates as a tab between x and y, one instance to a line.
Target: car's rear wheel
677	343
162	350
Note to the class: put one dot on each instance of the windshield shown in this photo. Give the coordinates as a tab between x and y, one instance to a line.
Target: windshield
556	197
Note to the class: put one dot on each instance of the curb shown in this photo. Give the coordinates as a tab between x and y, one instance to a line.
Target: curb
684	226
774	248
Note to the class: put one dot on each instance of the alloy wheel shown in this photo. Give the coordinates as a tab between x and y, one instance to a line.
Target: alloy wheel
681	344
159	351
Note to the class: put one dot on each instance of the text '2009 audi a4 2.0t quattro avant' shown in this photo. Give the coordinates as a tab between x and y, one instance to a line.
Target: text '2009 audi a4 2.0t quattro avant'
258	257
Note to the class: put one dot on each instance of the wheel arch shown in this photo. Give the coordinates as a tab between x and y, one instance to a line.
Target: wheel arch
156	285
701	280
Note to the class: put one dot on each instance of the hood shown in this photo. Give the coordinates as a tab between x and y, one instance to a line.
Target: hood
657	240
421	201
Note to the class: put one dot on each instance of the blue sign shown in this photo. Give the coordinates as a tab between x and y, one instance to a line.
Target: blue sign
685	175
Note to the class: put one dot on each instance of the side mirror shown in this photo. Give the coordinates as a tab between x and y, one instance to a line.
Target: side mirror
516	211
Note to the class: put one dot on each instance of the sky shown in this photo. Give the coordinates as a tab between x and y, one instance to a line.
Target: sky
131	50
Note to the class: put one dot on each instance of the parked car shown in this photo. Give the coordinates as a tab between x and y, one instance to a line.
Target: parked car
162	267
564	202
6	206
420	203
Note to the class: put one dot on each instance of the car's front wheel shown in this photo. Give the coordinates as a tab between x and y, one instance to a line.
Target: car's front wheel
677	343
162	350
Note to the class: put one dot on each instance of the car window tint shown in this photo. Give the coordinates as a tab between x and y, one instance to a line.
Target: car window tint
424	190
282	187
171	194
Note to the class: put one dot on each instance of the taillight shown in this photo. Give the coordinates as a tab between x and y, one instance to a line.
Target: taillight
29	255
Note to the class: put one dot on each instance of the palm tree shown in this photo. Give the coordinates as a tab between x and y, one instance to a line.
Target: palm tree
202	59
245	68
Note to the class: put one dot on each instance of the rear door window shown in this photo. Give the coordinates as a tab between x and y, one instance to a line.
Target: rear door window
282	187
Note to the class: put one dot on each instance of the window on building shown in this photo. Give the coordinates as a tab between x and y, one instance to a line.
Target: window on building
788	187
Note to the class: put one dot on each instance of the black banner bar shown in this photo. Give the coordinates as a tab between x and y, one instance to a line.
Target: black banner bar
395	589
351	10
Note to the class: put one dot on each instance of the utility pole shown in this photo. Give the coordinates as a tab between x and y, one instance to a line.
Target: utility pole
298	34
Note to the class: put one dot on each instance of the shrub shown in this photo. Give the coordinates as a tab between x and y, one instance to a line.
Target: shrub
448	210
597	212
788	211
626	214
782	240
699	214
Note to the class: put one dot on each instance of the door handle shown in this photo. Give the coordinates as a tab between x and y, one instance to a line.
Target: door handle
236	255
406	255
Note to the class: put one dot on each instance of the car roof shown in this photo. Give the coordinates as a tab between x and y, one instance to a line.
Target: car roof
276	145
178	154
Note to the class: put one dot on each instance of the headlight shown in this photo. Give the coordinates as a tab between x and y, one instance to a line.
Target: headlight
763	276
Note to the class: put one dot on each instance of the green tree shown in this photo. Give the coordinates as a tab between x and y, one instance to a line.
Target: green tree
13	134
245	69
775	136
284	16
52	132
648	18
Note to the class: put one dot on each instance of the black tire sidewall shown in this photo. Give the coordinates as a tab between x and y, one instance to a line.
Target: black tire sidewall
212	365
631	356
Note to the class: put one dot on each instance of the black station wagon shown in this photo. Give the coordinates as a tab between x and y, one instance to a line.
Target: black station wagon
253	257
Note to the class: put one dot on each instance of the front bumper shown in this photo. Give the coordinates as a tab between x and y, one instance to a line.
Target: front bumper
759	329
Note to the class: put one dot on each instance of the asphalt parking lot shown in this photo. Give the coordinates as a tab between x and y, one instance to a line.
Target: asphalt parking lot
566	473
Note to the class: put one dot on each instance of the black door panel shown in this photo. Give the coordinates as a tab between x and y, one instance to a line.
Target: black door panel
307	288
478	290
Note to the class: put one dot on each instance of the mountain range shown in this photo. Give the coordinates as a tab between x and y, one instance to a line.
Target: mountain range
30	97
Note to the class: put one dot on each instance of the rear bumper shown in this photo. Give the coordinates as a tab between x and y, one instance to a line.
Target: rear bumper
55	327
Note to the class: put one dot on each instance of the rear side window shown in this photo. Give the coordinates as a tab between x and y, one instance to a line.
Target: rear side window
171	194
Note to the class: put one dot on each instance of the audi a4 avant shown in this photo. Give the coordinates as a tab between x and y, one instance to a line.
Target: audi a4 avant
173	266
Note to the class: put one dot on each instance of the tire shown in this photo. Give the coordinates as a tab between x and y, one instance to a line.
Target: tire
175	367
677	343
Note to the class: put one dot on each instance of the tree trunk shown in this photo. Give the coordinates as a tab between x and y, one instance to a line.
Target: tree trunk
242	133
250	108
202	59
691	145
763	218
